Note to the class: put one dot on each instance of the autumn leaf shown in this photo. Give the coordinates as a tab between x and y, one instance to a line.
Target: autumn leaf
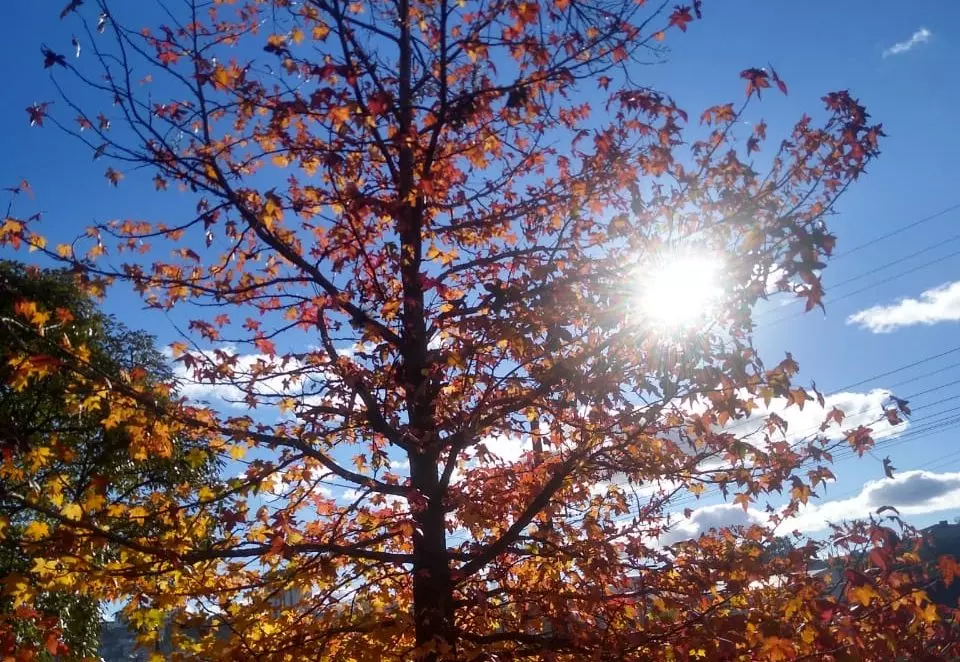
113	176
265	346
681	17
757	80
37	113
36	530
862	594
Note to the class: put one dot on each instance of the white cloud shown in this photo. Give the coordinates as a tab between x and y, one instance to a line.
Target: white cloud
940	304
715	516
921	36
365	498
859	409
257	374
910	492
507	448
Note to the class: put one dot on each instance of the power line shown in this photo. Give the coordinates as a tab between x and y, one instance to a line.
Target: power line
927	359
896	231
887	373
931	424
892	263
939	462
883	281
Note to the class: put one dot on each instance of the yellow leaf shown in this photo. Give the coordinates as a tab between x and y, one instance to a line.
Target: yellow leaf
237	452
44	567
196	457
272	211
863	594
94	501
18	588
37	242
36	530
340	114
72	511
222	77
390	309
929	613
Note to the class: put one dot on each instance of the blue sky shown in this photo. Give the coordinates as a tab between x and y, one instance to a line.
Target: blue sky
898	58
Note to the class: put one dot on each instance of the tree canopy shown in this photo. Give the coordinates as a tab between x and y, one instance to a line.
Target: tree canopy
420	236
36	420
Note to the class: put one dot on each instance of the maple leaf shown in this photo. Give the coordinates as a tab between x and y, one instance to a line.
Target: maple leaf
743	500
888	467
680	17
265	346
70	7
776	79
37	112
36	530
113	176
777	648
50	58
757	80
862	594
52	643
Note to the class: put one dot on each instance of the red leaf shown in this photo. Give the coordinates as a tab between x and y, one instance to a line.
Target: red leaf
878	559
757	79
265	346
52	643
680	17
776	79
37	112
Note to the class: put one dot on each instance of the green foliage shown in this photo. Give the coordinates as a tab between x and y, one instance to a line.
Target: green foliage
90	452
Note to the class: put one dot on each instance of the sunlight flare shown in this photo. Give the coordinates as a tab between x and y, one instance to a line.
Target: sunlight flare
678	291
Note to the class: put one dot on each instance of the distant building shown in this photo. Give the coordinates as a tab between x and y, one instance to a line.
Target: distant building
942	538
118	643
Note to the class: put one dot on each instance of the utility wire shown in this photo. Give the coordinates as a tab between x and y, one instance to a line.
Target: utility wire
887	265
883	281
931	424
887	373
927	359
896	231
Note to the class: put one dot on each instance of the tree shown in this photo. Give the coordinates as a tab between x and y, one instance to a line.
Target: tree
419	236
35	419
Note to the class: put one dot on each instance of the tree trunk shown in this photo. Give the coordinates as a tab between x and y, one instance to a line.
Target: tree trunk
433	609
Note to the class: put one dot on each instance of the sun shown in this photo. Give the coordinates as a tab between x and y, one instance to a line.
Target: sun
678	292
